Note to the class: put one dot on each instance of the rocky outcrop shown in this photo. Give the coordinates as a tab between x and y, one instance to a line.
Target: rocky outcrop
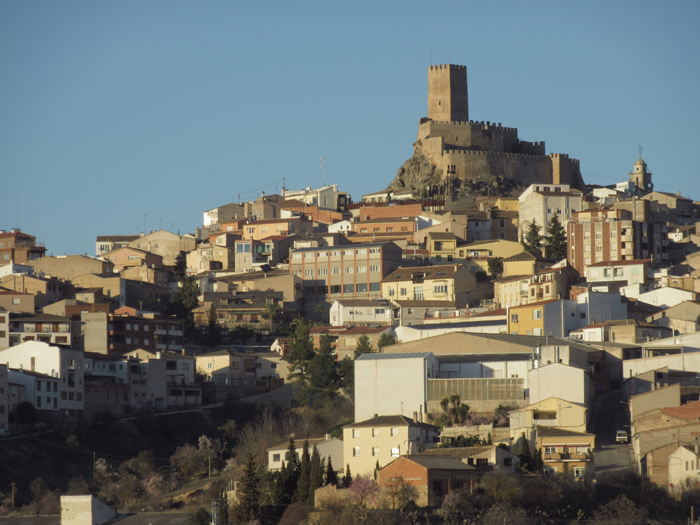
417	172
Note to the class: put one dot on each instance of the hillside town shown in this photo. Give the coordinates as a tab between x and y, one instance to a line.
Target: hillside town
486	314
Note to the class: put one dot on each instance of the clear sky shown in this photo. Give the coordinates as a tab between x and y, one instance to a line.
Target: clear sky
115	115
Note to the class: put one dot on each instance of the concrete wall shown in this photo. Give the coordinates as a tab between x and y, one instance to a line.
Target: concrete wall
84	510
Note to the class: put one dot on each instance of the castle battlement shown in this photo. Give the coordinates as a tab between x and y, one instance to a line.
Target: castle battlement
454	67
501	154
473	123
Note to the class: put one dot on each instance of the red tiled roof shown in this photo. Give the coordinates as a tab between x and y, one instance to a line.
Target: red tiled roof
690	411
365	330
620	263
499	311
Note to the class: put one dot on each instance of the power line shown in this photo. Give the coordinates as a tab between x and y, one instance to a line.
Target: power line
259	189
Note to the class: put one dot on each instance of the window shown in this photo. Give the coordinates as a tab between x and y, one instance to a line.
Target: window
394	432
323	271
391	293
395	452
537	314
375	451
375	432
349	269
440	289
356	432
276	457
379	311
348	288
361	269
374	268
550	450
514	318
356	451
335	271
15	300
210	365
402	291
308	273
362	287
335	288
579	472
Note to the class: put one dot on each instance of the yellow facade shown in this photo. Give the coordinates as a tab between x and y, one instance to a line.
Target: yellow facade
527	319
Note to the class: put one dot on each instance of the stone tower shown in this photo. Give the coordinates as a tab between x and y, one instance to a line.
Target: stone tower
641	177
447	93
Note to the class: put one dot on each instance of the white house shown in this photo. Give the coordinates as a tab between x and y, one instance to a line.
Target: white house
683	468
633	271
345	312
340	227
665	297
327	447
561	381
63	363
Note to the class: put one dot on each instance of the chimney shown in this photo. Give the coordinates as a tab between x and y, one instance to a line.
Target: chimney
183	351
415	417
679	193
328	437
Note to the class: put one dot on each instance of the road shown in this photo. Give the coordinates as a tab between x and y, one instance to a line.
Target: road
612	416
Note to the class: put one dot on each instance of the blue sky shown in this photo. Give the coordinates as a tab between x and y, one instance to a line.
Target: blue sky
118	114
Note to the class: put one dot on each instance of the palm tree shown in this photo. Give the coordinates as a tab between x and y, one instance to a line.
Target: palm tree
271	312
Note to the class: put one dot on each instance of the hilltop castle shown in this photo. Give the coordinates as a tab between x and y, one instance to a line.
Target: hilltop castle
451	147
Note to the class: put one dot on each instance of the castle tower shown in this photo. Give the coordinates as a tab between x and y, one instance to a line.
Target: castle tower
447	93
641	177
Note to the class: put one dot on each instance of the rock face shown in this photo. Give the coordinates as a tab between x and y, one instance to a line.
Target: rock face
417	172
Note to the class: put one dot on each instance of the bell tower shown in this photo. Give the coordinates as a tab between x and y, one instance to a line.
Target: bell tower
447	93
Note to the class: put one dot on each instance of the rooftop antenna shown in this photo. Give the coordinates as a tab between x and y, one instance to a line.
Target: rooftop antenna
18	207
323	167
144	222
448	55
431	55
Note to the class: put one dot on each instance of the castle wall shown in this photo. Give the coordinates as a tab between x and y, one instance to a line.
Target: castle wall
526	169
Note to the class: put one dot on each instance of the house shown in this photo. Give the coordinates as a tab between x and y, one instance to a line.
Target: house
242	308
550	412
562	381
384	438
107	243
326	197
452	283
683	318
271	250
487	458
551	283
217	254
407	312
385	228
18	247
539	203
566	450
494	324
328	448
441	246
525	263
261	229
433	477
478	253
128	256
360	312
228	367
60	362
12	301
43	391
46	290
347	341
67	267
344	272
169	246
632	271
622	331
457	229
684	467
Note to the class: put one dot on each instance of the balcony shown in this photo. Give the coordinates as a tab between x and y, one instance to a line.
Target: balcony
565	456
544	422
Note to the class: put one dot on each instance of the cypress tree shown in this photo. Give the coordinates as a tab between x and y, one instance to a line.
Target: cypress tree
302	492
556	240
331	474
315	476
347	480
249	492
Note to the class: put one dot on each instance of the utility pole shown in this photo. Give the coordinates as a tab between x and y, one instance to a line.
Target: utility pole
323	167
13	496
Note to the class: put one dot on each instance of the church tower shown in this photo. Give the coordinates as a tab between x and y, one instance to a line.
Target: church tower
641	177
447	93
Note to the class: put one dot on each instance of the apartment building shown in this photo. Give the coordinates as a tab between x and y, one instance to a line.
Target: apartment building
18	247
129	256
41	390
107	243
45	290
228	367
63	363
344	272
12	301
540	202
257	230
45	328
596	236
430	283
326	197
394	227
631	272
252	254
548	284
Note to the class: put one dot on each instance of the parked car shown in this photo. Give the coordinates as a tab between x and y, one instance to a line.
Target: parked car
621	436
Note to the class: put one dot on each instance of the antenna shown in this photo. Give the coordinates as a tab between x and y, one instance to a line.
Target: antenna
431	55
323	167
640	148
144	222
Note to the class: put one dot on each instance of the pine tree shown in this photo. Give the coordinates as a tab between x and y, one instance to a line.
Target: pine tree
347	480
376	469
364	346
213	331
533	239
331	474
249	492
292	459
302	492
556	240
279	494
301	351
315	476
323	376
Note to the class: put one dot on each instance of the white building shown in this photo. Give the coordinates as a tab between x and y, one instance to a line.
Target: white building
326	197
327	447
388	384
340	227
41	390
665	297
562	381
63	363
684	468
540	202
345	312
